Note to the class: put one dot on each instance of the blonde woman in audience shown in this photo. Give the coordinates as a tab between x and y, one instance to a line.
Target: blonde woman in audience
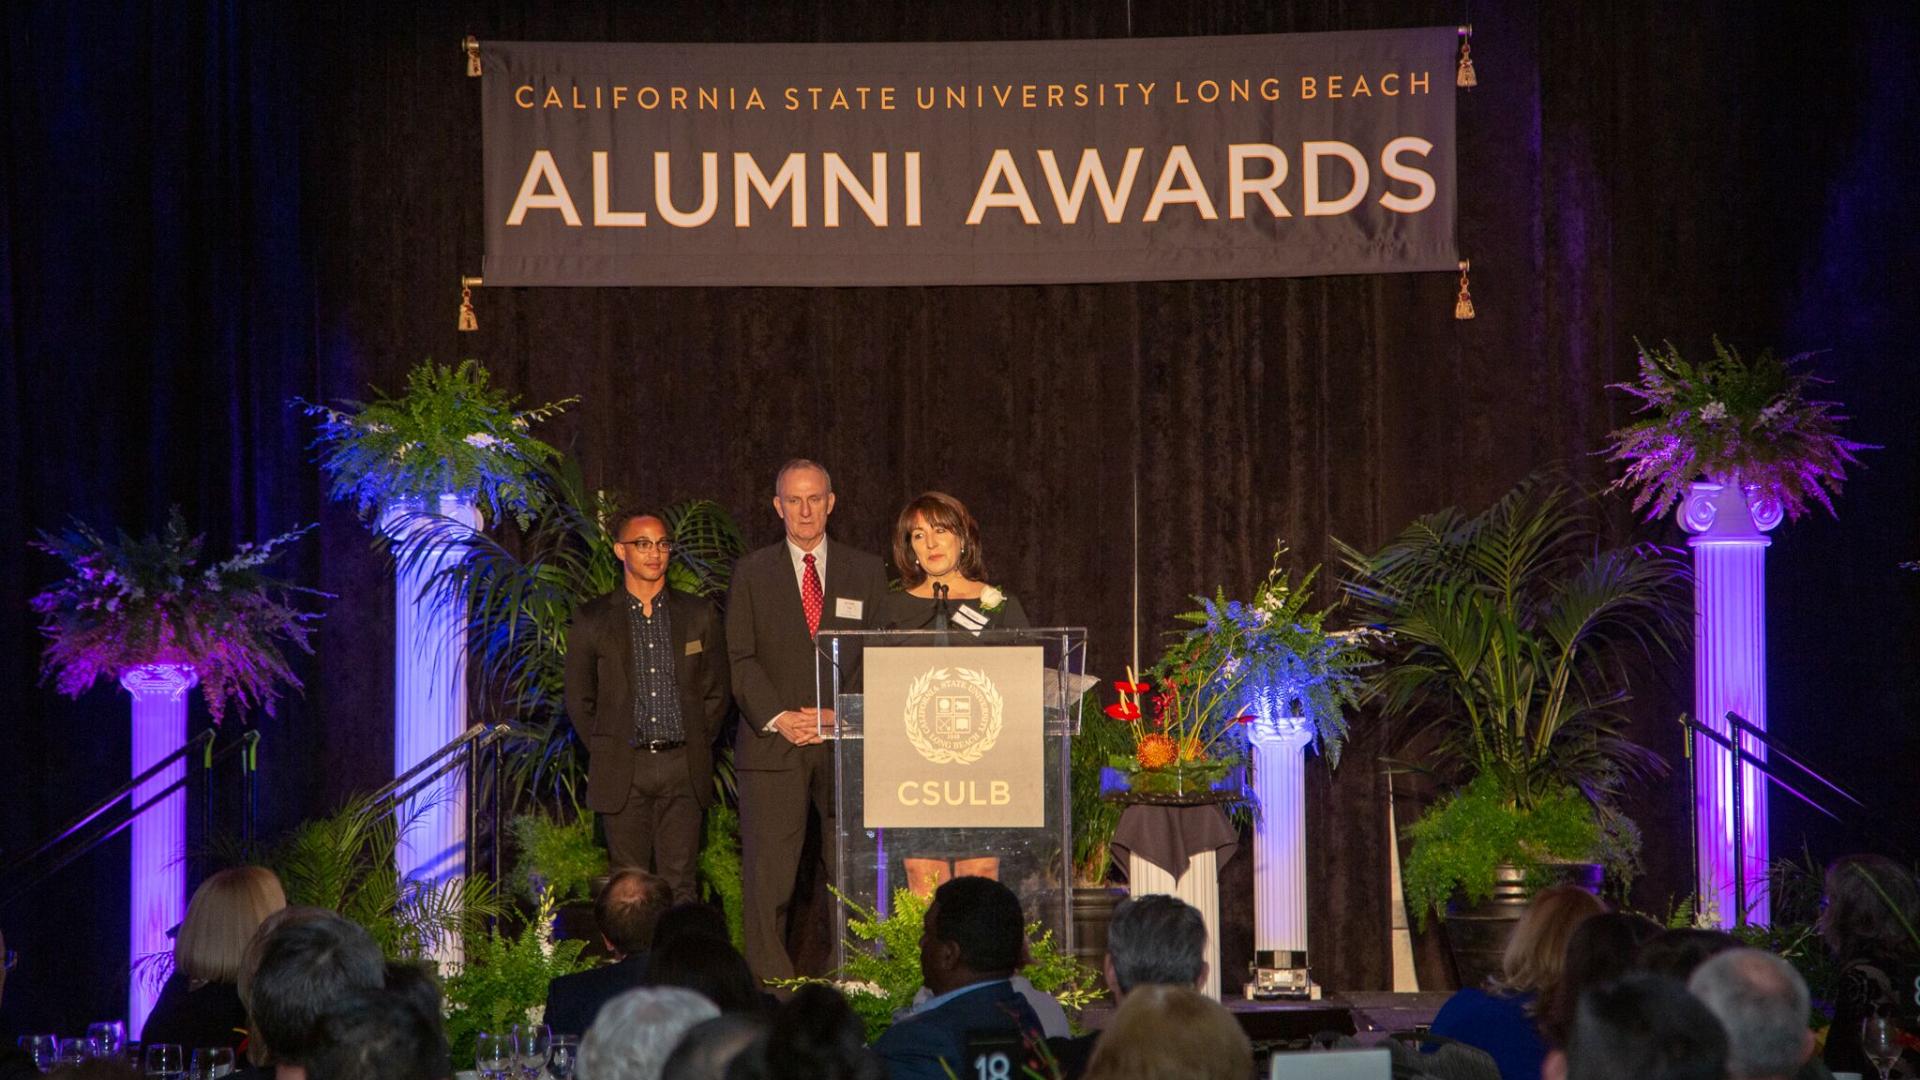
1503	1019
1161	1032
200	1004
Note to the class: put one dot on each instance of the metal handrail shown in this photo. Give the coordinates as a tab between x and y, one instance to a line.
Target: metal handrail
106	804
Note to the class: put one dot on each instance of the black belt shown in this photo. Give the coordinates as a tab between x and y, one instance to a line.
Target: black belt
657	746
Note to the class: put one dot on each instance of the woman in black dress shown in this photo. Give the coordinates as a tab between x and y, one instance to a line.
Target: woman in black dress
943	573
200	1004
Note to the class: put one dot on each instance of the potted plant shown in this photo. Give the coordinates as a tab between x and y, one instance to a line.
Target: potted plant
1511	634
1746	425
1094	820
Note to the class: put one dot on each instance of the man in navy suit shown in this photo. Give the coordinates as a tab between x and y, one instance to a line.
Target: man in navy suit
970	945
628	910
783	596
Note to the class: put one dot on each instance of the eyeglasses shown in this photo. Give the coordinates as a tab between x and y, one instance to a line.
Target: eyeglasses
643	544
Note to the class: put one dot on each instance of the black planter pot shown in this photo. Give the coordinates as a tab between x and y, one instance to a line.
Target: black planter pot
1092	912
1477	934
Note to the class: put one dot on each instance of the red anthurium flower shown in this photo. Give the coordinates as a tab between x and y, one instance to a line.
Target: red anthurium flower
1247	719
1131	687
1126	710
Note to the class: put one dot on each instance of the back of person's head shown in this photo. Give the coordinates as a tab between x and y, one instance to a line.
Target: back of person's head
304	968
291	915
1645	1027
1676	952
636	1032
710	1046
1601	950
816	1034
708	966
1536	954
694	917
1870	902
376	1035
1156	939
1762	1003
221	920
1162	1031
983	918
417	984
629	909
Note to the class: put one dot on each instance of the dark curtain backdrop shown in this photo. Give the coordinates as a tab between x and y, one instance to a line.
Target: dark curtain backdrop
213	207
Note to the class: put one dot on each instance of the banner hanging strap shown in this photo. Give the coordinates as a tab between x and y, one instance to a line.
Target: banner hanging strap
468	319
471	47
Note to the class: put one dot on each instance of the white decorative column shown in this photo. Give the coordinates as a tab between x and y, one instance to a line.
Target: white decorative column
157	872
1280	834
1729	675
430	689
1199	885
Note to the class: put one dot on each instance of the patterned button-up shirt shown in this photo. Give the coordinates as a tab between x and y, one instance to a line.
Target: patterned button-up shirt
656	693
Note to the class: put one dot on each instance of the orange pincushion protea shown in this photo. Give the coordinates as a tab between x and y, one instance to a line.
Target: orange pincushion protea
1155	752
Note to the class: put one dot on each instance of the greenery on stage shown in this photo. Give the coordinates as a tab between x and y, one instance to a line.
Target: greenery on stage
1464	839
1094	817
1731	420
450	432
128	601
504	979
720	870
559	857
1512	636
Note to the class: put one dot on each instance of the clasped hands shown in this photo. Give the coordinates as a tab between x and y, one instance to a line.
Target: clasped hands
804	727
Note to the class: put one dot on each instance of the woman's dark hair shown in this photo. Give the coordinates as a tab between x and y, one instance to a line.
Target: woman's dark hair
942	509
692	918
1601	950
1675	953
1871	903
817	1036
708	966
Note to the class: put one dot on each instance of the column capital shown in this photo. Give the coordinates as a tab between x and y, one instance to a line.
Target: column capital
400	518
1280	733
1729	513
163	680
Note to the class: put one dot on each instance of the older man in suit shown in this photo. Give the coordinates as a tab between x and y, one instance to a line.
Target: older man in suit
783	596
647	690
628	911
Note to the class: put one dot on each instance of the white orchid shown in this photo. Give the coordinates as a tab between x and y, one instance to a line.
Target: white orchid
1713	410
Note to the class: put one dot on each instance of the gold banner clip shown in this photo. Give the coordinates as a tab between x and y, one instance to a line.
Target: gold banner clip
1463	304
1465	76
468	319
472	48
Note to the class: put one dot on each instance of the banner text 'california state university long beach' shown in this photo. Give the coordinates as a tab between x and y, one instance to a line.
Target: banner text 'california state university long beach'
969	163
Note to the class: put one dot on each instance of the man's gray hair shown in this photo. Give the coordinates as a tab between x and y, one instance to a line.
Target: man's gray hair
1157	940
795	464
636	1032
1762	1002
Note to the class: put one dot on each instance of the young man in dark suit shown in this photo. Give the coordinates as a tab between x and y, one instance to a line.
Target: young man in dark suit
628	912
783	596
647	691
970	945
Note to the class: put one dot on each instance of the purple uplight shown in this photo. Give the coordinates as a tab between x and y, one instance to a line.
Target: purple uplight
157	876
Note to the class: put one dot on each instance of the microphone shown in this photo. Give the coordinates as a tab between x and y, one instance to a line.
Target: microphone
940	614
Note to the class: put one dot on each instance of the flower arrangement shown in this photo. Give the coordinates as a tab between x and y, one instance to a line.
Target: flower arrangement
1183	747
450	432
1731	420
128	602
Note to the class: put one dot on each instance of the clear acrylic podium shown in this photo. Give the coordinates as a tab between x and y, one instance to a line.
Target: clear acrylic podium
1034	860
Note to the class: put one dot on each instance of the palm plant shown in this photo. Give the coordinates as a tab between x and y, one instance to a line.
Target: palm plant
1514	631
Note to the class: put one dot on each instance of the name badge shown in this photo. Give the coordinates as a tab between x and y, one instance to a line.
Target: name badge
843	608
694	647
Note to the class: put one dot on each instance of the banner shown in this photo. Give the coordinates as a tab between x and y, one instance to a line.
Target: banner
969	163
953	737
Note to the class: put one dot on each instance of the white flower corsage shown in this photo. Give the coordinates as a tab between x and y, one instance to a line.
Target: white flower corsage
991	599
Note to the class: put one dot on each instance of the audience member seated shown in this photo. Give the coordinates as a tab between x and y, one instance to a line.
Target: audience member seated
1676	953
200	1003
814	1036
710	967
305	968
419	986
1501	1018
692	917
1165	1031
636	1032
710	1046
971	943
627	911
1763	1005
1151	941
1871	902
259	1062
378	1035
1601	950
1642	1027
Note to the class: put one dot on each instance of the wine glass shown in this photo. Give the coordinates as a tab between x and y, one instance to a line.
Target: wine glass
106	1038
43	1049
531	1043
1880	1040
492	1055
562	1058
211	1063
72	1050
165	1061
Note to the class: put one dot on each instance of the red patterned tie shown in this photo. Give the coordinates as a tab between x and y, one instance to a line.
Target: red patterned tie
812	597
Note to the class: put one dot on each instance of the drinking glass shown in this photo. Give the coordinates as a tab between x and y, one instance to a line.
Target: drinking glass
106	1038
165	1061
531	1043
1880	1040
492	1055
43	1049
561	1059
71	1051
211	1063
